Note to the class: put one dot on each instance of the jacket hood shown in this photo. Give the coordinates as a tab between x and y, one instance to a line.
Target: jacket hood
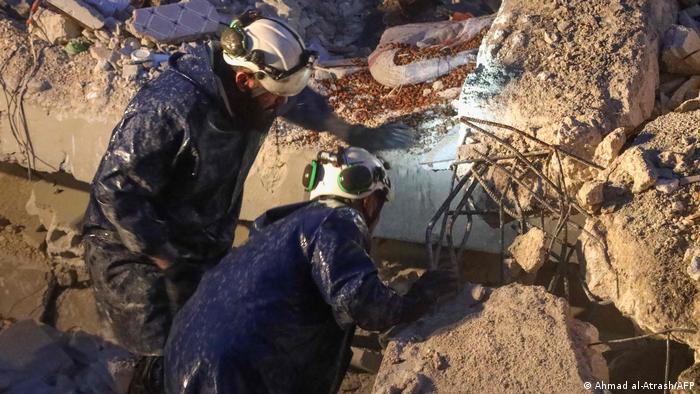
196	64
275	214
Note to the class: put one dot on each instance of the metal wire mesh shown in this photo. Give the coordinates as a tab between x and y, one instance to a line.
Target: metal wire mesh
532	189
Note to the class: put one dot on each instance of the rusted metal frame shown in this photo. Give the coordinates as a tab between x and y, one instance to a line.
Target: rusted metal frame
470	122
455	189
451	220
542	200
518	154
495	158
636	338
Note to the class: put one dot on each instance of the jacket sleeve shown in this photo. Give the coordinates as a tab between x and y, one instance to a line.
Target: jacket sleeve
347	278
311	111
133	172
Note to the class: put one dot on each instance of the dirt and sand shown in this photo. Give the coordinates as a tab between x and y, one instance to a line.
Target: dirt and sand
517	339
60	82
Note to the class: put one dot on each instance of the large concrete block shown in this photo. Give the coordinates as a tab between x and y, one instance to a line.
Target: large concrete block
568	72
177	22
80	11
520	339
56	27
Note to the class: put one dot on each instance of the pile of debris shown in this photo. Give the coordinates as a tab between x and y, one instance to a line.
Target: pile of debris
680	60
514	339
650	221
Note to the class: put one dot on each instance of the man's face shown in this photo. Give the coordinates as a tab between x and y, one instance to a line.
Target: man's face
372	208
264	100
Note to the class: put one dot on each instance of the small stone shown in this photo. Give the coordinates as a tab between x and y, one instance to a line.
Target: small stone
639	169
530	250
551	37
609	147
38	85
438	85
667	186
102	36
427	91
131	71
693	269
678	207
590	196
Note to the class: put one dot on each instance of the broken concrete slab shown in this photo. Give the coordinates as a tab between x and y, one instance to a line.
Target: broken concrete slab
530	250
60	210
54	27
637	258
109	8
174	23
588	93
81	12
33	347
76	309
519	339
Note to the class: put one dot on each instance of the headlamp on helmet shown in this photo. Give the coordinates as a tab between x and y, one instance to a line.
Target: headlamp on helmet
245	44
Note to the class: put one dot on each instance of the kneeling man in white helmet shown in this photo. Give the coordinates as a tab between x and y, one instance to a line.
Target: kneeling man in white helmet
278	314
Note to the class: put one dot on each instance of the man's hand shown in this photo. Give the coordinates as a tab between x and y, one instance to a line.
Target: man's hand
162	263
387	136
165	258
435	286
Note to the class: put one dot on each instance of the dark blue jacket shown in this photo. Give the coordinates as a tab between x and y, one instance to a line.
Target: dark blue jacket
270	317
175	166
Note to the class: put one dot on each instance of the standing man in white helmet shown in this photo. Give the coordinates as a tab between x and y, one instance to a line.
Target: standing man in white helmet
167	194
277	315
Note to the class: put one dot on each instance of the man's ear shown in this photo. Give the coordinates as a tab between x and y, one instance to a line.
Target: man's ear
244	81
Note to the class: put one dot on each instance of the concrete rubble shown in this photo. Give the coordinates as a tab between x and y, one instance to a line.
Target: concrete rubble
645	262
598	72
37	358
469	345
530	250
62	228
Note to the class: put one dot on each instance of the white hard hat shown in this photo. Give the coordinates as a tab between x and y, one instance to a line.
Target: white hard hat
272	50
353	173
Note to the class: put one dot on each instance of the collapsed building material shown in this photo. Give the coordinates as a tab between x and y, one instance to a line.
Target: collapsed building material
590	196
681	50
174	23
609	148
571	91
55	28
642	266
471	346
530	250
36	358
60	211
81	12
